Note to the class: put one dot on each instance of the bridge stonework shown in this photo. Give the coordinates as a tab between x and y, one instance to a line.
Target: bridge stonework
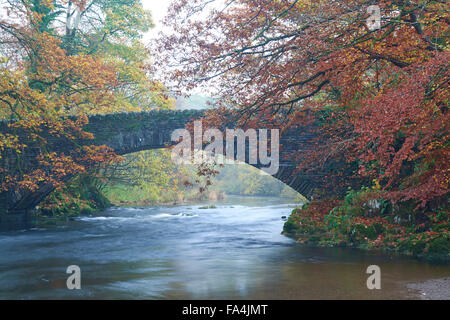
133	132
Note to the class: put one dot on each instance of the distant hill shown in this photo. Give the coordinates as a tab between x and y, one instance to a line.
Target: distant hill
195	101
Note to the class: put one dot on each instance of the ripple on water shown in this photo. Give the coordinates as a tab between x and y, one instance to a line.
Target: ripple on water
232	251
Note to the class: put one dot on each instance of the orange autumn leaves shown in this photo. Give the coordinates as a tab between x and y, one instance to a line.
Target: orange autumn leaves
41	86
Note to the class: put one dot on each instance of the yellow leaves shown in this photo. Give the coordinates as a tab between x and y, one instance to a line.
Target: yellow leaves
61	84
376	185
8	141
43	80
304	4
47	3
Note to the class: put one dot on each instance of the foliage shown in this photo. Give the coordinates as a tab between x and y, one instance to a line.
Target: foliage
80	195
379	96
146	177
377	101
246	180
349	223
150	177
62	60
310	218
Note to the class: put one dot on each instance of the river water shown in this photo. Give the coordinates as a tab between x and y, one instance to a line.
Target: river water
233	251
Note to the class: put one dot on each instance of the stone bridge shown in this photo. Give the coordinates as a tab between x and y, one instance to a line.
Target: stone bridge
132	132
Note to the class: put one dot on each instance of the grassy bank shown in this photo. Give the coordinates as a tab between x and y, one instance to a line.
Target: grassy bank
121	195
372	225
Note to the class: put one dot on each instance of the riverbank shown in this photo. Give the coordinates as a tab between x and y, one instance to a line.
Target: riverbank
79	197
326	225
178	199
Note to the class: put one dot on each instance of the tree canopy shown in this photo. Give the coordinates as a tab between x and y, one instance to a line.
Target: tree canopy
60	61
380	95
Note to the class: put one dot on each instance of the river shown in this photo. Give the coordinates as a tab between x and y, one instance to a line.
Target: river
232	251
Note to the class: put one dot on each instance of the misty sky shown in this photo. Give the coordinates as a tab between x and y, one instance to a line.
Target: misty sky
158	9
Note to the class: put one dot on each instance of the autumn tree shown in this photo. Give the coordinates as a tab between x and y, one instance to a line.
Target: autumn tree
59	62
380	96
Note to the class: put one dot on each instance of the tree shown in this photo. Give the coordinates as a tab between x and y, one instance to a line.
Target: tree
59	62
379	96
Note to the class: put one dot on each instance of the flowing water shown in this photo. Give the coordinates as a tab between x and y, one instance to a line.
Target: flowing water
233	251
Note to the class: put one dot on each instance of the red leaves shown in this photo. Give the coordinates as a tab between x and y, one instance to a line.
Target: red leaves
380	97
402	125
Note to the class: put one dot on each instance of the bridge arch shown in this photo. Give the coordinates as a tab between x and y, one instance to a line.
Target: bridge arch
133	132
